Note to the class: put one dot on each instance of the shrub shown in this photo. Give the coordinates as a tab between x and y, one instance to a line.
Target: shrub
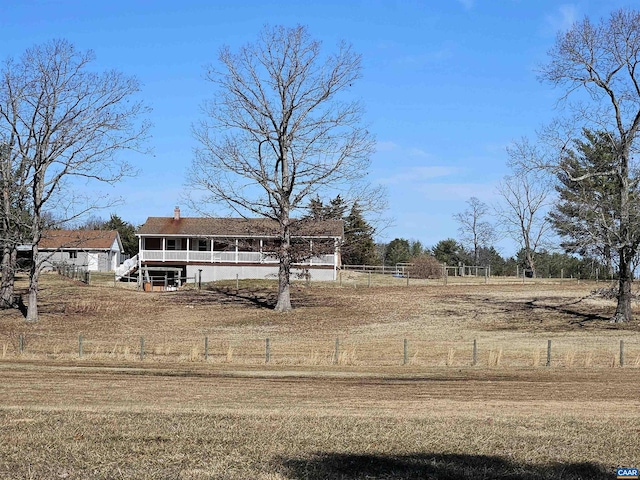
425	266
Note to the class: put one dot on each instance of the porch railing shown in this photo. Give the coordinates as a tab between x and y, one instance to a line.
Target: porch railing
223	257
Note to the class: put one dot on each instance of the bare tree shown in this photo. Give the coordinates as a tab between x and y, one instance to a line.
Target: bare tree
474	230
63	121
601	60
14	219
279	132
523	215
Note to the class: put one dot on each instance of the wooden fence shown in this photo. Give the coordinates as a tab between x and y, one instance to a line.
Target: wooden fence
74	272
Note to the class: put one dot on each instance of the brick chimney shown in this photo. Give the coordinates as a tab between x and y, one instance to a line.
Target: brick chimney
176	213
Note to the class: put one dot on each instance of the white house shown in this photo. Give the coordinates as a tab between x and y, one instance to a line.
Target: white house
175	248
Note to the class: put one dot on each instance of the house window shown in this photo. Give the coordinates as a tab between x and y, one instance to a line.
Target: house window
171	244
152	244
73	255
202	245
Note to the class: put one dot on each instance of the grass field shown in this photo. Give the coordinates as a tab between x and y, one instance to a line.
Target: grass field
109	414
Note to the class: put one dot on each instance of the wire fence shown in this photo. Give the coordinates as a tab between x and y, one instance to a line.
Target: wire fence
364	278
536	352
347	276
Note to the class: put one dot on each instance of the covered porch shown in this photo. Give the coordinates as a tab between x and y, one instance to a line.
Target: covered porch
232	250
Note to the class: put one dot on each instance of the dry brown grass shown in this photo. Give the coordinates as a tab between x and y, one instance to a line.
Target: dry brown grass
512	318
172	415
204	422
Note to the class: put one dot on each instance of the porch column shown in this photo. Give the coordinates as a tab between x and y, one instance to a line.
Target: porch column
336	252
212	250
236	250
164	248
261	257
188	246
310	252
140	257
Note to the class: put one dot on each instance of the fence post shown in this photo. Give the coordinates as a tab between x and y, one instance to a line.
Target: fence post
406	352
475	353
340	277
369	283
21	343
206	349
79	346
336	353
548	353
237	283
621	353
141	348
267	351
407	278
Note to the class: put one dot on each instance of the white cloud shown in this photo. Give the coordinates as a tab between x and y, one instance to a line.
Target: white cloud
385	146
419	174
400	151
458	191
417	152
563	19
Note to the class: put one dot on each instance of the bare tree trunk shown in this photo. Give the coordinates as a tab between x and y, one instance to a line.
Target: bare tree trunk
531	262
9	259
623	309
284	294
34	276
626	253
284	272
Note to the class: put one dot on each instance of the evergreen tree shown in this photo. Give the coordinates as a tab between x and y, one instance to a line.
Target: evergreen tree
489	257
398	251
127	233
587	212
359	247
416	249
126	230
317	210
450	252
337	208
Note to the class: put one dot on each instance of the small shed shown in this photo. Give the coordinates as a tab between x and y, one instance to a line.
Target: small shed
95	250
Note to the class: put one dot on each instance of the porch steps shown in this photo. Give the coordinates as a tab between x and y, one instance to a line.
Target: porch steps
127	268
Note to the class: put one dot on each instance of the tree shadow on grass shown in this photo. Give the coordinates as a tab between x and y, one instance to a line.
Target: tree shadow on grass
250	297
570	316
258	298
580	317
435	466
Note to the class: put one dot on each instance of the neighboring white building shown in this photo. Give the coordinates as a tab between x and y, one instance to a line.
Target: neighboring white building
221	248
95	250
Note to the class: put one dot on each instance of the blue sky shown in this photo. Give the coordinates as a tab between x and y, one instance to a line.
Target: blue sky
447	85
